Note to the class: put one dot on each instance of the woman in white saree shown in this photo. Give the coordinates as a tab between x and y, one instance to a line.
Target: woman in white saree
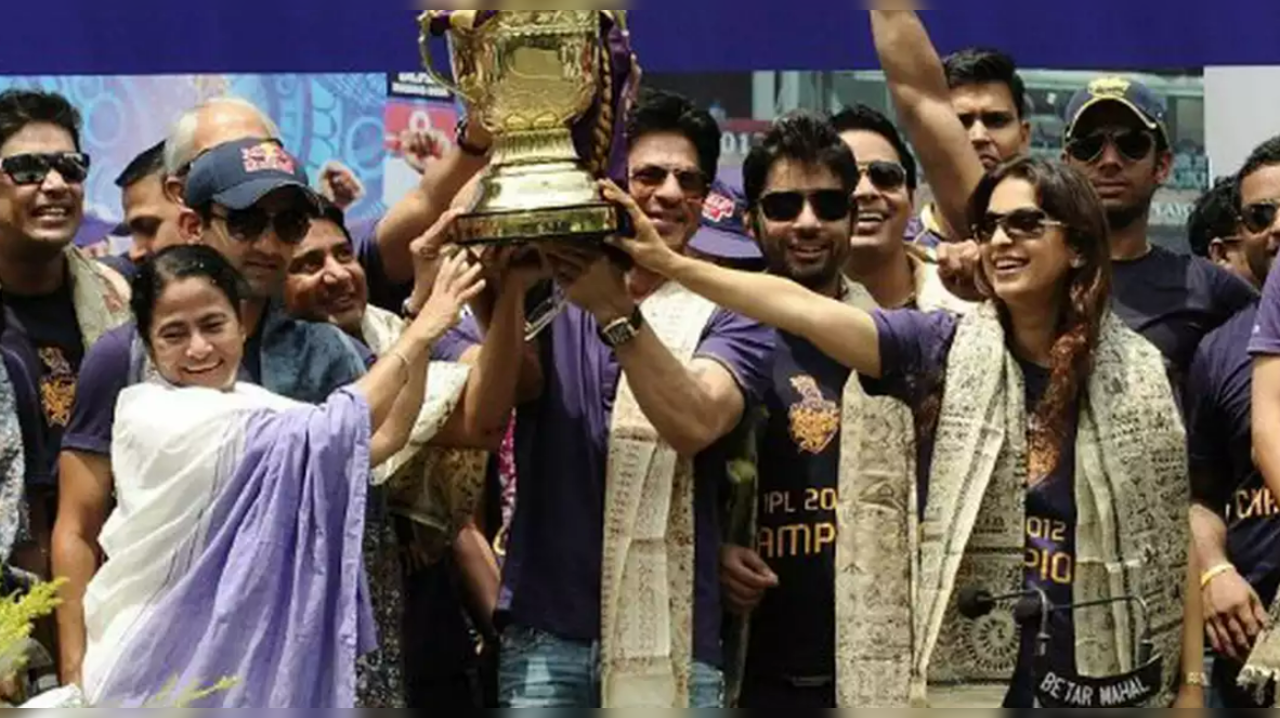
234	552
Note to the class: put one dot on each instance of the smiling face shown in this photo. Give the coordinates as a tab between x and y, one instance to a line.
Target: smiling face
668	184
805	246
38	220
196	336
325	282
1026	263
884	208
1257	250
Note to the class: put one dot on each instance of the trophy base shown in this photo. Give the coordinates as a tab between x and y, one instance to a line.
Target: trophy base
587	223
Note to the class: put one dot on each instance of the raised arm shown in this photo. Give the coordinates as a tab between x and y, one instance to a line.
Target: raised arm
394	387
421	208
84	497
918	85
1266	419
842	332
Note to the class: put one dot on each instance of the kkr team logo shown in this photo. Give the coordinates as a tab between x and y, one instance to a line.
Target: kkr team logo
1109	87
815	420
717	207
266	157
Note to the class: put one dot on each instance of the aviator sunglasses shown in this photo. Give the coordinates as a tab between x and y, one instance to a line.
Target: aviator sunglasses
1018	224
886	176
1133	145
1259	216
33	168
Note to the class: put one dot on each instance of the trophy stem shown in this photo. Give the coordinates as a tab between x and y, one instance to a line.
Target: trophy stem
534	147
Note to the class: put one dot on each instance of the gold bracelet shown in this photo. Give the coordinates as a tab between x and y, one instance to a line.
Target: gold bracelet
1196	678
1207	577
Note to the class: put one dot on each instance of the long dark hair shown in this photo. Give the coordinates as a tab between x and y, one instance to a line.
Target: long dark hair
172	264
1068	197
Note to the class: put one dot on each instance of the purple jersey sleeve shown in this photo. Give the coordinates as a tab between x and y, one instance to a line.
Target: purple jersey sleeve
103	375
1207	438
744	347
458	340
1266	330
382	291
913	353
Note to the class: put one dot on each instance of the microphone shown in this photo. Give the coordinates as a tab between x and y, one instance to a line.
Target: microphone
1028	610
974	603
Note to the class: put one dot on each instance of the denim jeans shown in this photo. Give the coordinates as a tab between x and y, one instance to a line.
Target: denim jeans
539	670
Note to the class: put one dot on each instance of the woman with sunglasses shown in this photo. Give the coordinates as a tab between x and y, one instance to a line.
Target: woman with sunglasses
234	552
1049	454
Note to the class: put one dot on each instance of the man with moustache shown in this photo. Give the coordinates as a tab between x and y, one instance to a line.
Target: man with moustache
1234	519
898	274
560	611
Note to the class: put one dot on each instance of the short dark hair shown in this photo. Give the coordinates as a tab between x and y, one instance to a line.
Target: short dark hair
19	108
327	210
1264	155
1215	215
869	119
982	66
149	162
175	263
662	111
803	137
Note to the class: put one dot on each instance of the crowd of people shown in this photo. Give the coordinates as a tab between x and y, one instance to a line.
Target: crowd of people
809	444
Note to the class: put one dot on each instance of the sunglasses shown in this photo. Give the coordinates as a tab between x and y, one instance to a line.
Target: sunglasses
1133	145
248	225
886	176
692	182
33	168
1259	216
1018	225
829	205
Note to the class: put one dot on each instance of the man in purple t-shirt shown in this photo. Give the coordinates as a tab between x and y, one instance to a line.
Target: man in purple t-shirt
551	597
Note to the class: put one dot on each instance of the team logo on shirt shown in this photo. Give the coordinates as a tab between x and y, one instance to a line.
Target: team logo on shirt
57	386
815	420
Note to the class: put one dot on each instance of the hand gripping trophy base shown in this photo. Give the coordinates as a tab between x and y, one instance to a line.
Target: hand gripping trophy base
536	190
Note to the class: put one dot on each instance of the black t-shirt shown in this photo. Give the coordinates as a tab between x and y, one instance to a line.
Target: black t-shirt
45	336
793	630
1174	300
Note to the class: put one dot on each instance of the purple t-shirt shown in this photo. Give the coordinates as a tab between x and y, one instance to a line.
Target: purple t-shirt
913	349
43	334
1173	300
382	291
1266	328
551	577
1220	451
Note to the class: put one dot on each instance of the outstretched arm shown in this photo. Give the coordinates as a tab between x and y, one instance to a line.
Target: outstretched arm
842	332
918	85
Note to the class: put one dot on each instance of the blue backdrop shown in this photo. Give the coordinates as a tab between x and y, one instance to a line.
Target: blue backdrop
155	36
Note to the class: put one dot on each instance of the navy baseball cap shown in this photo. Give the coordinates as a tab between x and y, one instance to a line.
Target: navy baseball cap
724	231
238	174
1134	95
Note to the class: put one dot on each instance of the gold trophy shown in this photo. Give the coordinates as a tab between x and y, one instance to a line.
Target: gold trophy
528	76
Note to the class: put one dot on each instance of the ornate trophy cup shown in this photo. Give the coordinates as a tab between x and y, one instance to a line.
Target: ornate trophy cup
528	77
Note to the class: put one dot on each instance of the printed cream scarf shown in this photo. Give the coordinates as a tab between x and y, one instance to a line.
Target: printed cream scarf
648	563
901	641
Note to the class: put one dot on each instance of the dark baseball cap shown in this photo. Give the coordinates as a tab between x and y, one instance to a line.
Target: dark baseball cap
1134	95
724	231
237	175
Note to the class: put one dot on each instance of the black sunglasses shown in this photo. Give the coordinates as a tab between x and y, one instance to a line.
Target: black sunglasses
1259	216
1018	224
829	205
248	225
692	182
1133	145
886	176
34	167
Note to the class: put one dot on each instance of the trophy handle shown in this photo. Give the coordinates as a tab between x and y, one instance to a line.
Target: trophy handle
424	45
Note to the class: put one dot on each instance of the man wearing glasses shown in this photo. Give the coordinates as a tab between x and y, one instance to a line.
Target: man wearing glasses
249	200
553	584
881	258
1116	137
